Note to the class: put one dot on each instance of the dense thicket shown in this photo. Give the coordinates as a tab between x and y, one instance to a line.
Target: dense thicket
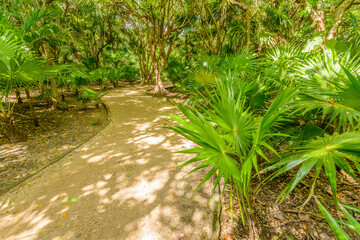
266	78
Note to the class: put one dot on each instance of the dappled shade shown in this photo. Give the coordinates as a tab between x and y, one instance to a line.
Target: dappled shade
123	184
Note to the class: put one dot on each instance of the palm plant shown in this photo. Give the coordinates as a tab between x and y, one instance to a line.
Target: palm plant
315	116
5	24
334	102
326	152
8	47
18	68
329	89
89	95
279	19
231	138
335	224
352	34
239	68
280	65
74	77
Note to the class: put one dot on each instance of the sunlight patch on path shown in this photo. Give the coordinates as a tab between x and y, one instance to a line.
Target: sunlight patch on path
122	184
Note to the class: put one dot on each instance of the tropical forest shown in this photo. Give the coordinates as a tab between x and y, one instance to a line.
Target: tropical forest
179	119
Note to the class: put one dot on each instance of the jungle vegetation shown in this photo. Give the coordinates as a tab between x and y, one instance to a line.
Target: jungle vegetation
274	86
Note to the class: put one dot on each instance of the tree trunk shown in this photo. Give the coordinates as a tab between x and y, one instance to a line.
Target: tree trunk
146	71
318	17
248	28
142	77
18	96
32	110
333	31
159	85
53	84
10	132
339	13
27	93
54	92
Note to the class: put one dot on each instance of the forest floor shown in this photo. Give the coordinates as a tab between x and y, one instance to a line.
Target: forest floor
286	220
59	131
124	184
121	184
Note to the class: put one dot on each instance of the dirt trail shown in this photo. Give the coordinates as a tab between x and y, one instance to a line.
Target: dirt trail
122	184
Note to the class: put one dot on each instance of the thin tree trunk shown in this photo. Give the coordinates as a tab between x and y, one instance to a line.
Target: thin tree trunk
53	84
32	109
54	92
47	98
142	77
248	27
27	93
339	13
318	17
10	132
159	85
18	96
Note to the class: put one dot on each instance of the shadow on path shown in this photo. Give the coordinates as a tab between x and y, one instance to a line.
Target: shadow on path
122	184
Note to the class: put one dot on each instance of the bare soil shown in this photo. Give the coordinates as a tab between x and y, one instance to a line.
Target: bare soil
58	132
122	184
285	220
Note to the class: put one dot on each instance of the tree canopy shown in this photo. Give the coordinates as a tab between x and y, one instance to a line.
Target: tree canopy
273	85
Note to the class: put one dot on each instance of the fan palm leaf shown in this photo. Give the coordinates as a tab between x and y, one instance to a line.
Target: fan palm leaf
323	153
8	46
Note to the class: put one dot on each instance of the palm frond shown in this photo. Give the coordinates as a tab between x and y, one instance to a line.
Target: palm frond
326	152
204	76
8	47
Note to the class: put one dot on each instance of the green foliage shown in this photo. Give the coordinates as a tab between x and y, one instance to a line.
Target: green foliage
18	67
329	88
335	227
305	101
178	71
265	79
95	122
336	224
326	152
204	76
89	95
128	72
71	200
229	135
280	64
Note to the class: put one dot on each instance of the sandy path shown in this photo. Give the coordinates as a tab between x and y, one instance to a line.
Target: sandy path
122	184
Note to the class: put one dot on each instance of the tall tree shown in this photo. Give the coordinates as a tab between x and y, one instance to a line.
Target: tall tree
246	7
163	21
211	27
336	10
136	40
